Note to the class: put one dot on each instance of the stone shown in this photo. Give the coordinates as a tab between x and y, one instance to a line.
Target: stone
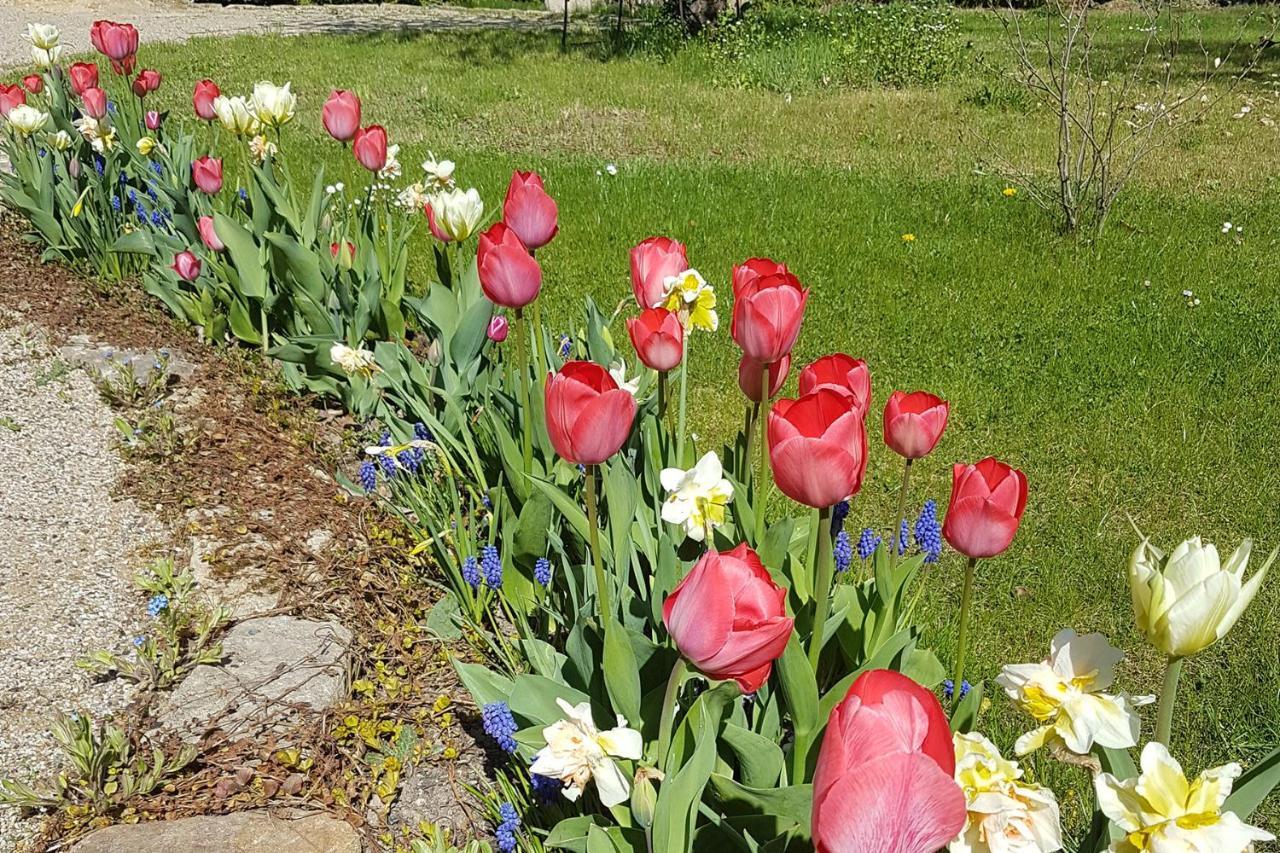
273	665
240	832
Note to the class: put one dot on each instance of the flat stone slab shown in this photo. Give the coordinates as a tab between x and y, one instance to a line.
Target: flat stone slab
241	832
272	665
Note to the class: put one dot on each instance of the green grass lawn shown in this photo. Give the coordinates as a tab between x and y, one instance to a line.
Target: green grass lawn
1082	363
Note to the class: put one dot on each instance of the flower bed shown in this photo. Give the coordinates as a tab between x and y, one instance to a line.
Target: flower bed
668	661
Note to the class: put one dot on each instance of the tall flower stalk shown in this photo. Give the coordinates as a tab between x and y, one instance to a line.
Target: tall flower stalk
526	412
1168	700
593	524
962	639
822	571
901	516
762	467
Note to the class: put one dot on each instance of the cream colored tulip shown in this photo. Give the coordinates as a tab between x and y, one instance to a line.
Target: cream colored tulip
274	105
43	36
27	120
235	114
1189	600
60	141
577	752
1005	814
145	146
457	212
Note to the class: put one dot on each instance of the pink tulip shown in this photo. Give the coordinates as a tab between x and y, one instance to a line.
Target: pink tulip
728	618
11	96
203	97
208	235
152	120
207	174
914	422
509	275
751	372
370	147
34	83
767	311
588	416
117	42
842	373
94	102
749	270
186	265
658	338
653	261
884	778
498	328
817	448
84	75
146	82
341	115
529	211
987	500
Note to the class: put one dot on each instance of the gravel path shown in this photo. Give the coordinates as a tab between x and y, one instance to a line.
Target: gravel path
67	555
179	20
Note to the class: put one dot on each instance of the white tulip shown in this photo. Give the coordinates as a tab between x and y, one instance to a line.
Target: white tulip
577	752
236	114
696	498
26	119
45	58
1187	601
274	105
60	141
1005	815
43	36
1064	694
457	212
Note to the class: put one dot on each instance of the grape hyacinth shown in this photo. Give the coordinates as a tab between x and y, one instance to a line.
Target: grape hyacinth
903	537
388	465
542	571
507	829
545	788
949	688
158	604
843	552
491	566
409	461
839	513
471	572
868	542
420	432
566	344
928	532
368	476
499	724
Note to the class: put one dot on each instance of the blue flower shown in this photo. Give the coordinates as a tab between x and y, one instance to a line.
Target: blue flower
507	829
928	532
158	604
368	476
843	551
488	504
421	432
244	195
99	164
542	571
157	167
499	724
157	218
408	460
138	641
471	572
491	566
902	537
43	153
949	688
388	465
566	344
545	788
115	203
385	441
111	107
839	513
868	542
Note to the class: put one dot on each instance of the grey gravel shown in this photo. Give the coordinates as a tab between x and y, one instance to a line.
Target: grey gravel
68	550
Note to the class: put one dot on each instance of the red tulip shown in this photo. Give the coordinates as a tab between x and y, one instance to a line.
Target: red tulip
34	83
509	275
767	311
588	416
653	261
146	82
341	115
914	422
202	99
728	618
152	120
186	265
749	270
208	235
370	147
884	778
529	211
987	500
817	448
750	372
117	42
84	75
94	102
842	373
336	249
10	97
658	338
207	174
498	328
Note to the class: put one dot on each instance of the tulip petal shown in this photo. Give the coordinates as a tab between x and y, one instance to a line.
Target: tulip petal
1192	622
602	426
813	472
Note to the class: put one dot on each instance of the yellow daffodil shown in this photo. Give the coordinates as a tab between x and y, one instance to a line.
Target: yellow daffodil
78	207
99	133
354	362
577	752
1161	811
689	295
1005	815
1189	600
273	105
697	498
1064	694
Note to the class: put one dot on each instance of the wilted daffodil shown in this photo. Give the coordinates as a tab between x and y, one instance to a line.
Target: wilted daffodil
618	370
697	498
689	295
353	362
1064	694
99	133
577	752
273	105
1189	600
1005	814
1161	810
262	148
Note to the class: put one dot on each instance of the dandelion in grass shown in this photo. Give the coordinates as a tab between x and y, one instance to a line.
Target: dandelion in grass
1009	192
843	552
499	724
471	572
908	238
507	829
491	566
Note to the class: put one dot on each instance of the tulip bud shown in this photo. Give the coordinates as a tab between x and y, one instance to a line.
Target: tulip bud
206	172
751	374
341	115
84	75
653	261
370	147
644	796
11	96
344	253
208	235
913	423
658	338
498	328
146	82
987	500
34	83
767	312
529	211
206	91
817	448
186	265
94	102
152	120
588	416
435	354
509	275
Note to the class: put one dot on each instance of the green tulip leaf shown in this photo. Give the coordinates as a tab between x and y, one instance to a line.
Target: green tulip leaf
678	798
245	255
760	759
484	685
621	673
1255	785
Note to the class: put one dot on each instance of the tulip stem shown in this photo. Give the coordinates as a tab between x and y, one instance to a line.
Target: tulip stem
821	587
669	713
539	365
902	515
593	531
522	365
762	471
1168	699
962	640
684	396
662	395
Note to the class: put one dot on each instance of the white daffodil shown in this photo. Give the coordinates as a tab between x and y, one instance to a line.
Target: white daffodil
413	197
439	172
273	105
261	148
236	114
1064	694
689	295
391	171
1005	814
353	362
60	141
99	133
618	370
577	752
1162	812
1189	600
27	120
457	212
696	498
394	450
